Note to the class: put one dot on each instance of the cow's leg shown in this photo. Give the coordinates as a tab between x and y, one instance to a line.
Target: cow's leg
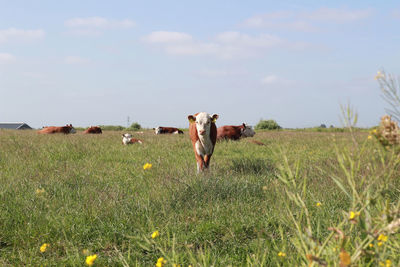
198	167
207	159
200	163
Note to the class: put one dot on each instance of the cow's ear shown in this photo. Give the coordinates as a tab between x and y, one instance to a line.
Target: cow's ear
191	119
214	118
244	125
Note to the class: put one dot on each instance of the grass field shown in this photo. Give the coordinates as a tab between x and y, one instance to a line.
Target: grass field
304	198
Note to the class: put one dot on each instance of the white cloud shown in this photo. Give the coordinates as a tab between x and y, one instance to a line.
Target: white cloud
13	34
228	45
76	60
304	21
215	73
240	39
270	79
94	26
338	15
33	75
279	20
86	32
295	25
167	37
193	49
98	22
6	58
179	43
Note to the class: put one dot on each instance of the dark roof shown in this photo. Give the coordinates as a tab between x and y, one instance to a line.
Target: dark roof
14	125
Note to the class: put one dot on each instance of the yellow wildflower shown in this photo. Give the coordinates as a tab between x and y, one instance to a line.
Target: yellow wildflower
369	137
380	244
44	247
160	262
379	75
387	263
155	234
371	245
90	259
264	188
281	254
147	166
345	259
383	237
353	215
39	191
319	204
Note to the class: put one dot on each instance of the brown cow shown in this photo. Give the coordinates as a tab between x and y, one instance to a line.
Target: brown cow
93	130
127	139
167	130
67	129
203	133
234	132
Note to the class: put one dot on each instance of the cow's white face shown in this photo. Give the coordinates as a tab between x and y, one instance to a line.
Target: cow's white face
248	131
157	130
203	123
127	136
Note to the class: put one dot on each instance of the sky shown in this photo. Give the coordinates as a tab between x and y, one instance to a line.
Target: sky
98	62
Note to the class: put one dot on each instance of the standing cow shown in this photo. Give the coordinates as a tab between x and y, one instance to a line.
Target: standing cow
234	132
67	129
203	133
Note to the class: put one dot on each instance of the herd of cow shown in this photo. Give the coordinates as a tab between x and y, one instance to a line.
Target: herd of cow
202	131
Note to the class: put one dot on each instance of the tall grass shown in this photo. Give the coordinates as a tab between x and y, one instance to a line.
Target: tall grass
257	205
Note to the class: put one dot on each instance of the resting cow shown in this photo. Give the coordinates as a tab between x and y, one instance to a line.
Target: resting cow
167	130
234	132
203	134
68	129
93	130
127	139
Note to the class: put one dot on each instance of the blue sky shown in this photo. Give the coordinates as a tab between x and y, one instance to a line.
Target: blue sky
98	62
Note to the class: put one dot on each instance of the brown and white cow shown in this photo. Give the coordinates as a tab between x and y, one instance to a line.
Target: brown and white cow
231	132
203	133
127	139
93	130
167	130
67	129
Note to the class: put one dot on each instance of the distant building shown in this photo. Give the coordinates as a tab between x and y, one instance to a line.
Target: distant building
15	126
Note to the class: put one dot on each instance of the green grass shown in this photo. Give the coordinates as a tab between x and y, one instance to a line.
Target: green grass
242	212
